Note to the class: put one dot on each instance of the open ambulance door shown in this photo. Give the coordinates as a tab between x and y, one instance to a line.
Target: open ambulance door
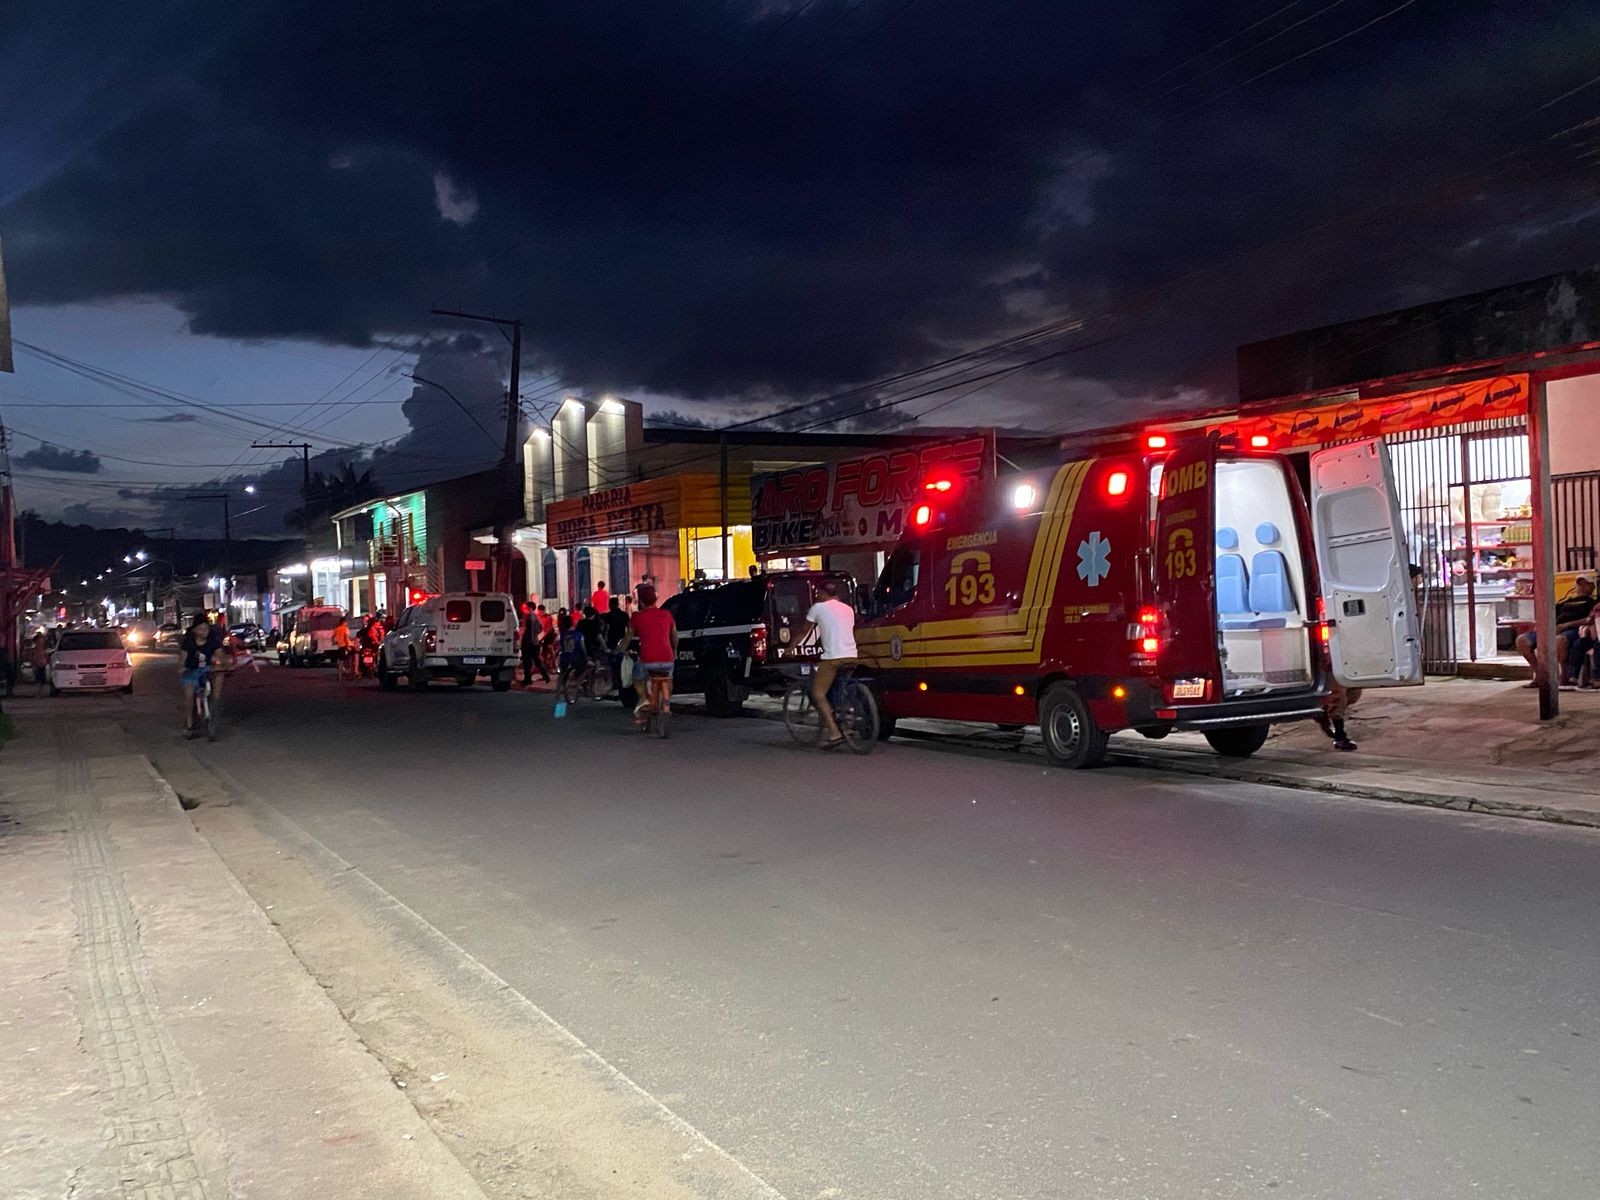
1361	555
1184	567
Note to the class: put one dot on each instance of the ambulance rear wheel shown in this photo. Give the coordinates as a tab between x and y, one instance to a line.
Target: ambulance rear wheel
1239	742
1071	737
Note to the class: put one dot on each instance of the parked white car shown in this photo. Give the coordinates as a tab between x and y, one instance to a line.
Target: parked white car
309	639
457	635
90	660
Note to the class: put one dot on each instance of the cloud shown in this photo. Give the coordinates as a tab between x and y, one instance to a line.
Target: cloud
177	418
768	199
48	457
455	204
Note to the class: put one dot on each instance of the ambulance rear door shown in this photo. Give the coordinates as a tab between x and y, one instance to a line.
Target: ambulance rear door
1361	556
1183	569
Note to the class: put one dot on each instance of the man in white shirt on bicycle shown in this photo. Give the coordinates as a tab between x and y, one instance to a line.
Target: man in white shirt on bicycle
835	624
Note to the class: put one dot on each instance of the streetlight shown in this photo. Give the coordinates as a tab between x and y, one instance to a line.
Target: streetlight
249	489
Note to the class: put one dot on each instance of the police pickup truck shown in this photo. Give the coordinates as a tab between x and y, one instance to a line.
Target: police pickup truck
735	636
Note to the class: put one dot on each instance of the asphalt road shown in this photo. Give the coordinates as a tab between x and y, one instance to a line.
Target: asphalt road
930	973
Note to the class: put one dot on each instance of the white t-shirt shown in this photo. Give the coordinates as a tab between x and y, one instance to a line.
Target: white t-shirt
836	622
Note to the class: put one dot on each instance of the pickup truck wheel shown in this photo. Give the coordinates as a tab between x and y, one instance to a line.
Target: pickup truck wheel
415	676
386	678
724	698
1239	742
1071	737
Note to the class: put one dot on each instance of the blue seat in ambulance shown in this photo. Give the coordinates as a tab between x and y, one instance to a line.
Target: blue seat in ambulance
1271	589
1233	581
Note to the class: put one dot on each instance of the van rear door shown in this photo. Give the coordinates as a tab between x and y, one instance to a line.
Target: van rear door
1183	567
1361	556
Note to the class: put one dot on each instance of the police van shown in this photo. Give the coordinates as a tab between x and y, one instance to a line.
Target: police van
457	636
1153	584
738	636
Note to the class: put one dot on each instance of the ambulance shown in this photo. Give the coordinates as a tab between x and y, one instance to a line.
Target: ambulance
1155	583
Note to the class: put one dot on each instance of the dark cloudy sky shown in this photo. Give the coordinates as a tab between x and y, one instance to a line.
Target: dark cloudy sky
232	219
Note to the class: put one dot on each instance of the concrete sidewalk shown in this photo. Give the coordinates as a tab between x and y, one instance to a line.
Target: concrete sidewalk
158	1038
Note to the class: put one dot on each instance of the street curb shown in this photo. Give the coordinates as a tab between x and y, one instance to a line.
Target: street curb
1221	769
1458	803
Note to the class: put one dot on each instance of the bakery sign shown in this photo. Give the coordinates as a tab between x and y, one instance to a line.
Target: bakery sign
857	502
650	506
646	507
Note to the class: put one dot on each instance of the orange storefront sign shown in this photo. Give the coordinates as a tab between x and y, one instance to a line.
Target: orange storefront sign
1480	400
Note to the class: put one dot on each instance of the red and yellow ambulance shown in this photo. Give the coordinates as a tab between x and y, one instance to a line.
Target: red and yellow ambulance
1155	582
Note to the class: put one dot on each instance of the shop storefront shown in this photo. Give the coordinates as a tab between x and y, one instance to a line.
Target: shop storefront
1461	472
670	528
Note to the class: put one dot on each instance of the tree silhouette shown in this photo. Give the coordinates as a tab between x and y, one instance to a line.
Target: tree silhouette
331	493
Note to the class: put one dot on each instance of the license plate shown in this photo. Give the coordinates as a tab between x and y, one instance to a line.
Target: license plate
474	660
92	680
1189	689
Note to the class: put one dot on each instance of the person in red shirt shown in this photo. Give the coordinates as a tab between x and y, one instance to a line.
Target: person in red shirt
601	598
657	634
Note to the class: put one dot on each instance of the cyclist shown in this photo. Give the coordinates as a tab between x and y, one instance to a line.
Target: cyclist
201	645
835	624
657	634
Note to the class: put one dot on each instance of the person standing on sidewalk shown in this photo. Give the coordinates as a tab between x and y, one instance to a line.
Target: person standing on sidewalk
615	622
39	660
601	599
1335	706
532	632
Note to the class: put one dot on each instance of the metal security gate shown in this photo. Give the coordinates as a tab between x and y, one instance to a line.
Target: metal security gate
1575	517
1436	471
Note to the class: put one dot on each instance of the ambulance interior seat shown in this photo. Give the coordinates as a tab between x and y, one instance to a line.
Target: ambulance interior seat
1271	590
1233	581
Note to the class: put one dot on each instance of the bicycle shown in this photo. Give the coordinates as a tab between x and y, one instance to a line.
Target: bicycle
205	714
593	680
655	712
855	710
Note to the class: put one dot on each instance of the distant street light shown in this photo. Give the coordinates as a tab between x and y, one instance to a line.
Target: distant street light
249	489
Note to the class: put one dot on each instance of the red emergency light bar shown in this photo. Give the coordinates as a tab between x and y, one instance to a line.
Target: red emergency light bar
1156	441
938	485
1116	483
1259	441
921	515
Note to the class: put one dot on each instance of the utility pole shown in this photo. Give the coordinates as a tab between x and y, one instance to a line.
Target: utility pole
727	554
305	501
510	482
305	466
227	546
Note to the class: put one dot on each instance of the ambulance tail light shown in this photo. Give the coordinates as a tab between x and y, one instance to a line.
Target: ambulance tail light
1156	441
1324	632
758	644
1117	483
1260	441
922	516
1145	635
